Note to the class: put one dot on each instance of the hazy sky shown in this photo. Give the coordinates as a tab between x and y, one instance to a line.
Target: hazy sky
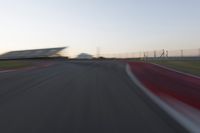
113	25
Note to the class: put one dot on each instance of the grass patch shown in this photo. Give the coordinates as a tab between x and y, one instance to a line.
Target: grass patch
13	64
192	67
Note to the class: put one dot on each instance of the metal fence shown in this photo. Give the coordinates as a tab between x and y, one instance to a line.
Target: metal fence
182	54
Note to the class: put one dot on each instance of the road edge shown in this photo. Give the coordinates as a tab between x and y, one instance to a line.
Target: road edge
174	70
183	121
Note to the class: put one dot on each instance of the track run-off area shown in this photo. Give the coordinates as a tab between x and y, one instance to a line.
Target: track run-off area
87	96
165	82
180	92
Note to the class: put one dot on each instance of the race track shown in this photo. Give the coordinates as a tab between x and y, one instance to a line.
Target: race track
78	96
167	83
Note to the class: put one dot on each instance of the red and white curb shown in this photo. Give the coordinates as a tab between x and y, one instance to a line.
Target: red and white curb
181	117
173	70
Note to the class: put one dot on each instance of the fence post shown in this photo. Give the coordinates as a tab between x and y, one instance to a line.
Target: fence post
199	52
154	54
145	57
181	53
166	53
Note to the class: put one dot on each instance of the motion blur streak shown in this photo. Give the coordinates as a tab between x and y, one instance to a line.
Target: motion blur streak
78	96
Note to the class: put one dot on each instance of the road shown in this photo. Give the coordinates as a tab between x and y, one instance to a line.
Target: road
78	96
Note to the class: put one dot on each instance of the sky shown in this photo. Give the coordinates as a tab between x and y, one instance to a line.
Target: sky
112	26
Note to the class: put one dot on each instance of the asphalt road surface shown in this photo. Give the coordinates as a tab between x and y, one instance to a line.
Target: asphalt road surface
78	96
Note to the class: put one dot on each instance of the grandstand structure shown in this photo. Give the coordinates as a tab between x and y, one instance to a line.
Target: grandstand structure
35	53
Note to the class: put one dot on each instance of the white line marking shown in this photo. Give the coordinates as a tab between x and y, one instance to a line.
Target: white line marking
191	126
171	69
189	111
7	71
13	70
